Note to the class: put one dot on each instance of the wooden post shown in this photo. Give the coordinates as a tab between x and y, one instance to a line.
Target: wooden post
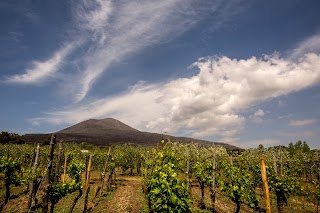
31	166
104	172
87	185
275	165
58	164
34	181
265	185
45	200
213	187
187	170
64	168
114	178
318	157
281	161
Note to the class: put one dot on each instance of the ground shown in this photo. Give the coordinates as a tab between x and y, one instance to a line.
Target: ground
127	197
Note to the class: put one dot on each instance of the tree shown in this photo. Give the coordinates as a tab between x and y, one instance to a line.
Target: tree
6	137
305	147
291	148
260	147
298	145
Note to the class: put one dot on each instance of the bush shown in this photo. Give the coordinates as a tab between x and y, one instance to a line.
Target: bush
6	138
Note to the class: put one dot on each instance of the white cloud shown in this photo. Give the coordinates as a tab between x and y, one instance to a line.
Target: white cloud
311	44
207	104
301	122
124	27
113	29
257	116
93	15
258	113
41	71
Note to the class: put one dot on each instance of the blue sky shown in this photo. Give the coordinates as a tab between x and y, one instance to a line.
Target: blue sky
241	72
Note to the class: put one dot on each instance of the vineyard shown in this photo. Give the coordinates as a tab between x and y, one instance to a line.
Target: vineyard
173	177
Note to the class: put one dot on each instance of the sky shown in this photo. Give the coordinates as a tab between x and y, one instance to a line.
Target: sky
240	72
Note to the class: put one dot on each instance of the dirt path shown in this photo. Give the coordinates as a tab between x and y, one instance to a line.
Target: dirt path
128	197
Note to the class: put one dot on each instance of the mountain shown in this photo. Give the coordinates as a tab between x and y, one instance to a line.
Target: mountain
97	127
109	131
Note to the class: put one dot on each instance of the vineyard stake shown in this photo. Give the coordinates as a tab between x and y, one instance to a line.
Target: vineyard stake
30	166
45	200
57	169
34	181
64	168
213	188
318	158
281	160
275	165
187	171
104	172
265	186
87	185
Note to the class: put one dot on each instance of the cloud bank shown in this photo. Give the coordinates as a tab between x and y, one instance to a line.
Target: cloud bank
210	103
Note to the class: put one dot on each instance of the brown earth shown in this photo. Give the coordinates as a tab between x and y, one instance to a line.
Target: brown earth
128	198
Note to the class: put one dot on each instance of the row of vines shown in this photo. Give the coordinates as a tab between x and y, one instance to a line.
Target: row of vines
170	170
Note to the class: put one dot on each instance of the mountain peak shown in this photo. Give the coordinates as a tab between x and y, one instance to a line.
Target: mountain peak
109	131
97	126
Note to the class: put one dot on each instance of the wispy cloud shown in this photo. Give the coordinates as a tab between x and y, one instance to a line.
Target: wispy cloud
117	29
311	44
42	70
301	122
207	104
111	30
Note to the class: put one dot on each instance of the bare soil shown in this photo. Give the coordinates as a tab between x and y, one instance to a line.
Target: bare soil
127	197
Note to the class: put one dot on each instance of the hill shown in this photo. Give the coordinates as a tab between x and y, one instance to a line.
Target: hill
109	131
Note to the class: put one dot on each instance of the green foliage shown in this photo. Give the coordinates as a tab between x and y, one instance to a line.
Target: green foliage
75	170
298	148
11	170
284	183
164	169
128	157
60	190
203	171
10	138
313	193
239	183
165	191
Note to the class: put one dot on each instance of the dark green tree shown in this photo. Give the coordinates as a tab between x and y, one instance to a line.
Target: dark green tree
305	147
7	137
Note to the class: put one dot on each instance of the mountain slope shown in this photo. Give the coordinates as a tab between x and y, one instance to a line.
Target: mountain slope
97	127
109	131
